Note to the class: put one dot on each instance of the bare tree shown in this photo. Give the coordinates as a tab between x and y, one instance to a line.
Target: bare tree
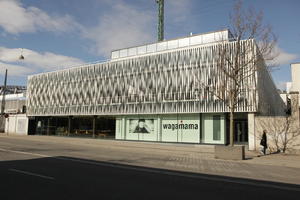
282	132
289	135
239	64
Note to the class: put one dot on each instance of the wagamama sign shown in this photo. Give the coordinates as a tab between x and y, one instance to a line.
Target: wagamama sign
180	126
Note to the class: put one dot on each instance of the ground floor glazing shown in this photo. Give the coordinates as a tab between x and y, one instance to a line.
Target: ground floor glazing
206	128
81	126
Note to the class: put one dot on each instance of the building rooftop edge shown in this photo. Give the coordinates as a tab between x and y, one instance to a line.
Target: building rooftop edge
115	60
177	38
295	63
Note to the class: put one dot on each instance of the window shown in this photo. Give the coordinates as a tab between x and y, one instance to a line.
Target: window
23	109
216	127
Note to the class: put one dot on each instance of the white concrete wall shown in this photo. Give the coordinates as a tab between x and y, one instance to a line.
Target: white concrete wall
251	132
279	129
295	68
288	87
17	124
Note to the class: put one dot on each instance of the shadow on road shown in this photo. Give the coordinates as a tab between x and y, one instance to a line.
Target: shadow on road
73	178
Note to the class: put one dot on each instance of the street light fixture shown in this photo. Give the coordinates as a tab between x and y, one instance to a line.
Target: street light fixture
21	57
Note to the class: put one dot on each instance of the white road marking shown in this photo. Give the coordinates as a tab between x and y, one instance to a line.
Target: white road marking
159	171
31	174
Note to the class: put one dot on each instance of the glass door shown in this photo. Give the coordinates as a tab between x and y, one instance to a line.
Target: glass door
241	131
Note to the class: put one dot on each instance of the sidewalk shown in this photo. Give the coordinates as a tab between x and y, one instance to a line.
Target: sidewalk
179	157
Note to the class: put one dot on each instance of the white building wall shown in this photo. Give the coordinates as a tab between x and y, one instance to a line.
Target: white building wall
16	124
295	68
251	132
288	87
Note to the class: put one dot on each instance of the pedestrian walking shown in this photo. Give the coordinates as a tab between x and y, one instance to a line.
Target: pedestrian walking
263	141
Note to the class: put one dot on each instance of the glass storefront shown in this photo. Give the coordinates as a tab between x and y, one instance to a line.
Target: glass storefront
183	128
74	126
180	128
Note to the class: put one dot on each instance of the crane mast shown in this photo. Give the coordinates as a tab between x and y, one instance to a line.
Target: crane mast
160	35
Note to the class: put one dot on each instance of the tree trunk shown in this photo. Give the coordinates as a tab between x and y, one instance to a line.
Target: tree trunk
285	134
231	130
284	143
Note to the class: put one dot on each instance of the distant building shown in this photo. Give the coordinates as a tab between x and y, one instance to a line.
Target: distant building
294	85
14	107
13	89
15	99
288	87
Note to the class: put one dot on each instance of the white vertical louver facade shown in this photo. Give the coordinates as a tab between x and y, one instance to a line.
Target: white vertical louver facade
158	83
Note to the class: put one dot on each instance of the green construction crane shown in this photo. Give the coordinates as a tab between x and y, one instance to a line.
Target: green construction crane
160	35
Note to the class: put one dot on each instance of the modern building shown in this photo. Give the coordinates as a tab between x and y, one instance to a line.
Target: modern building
13	89
155	92
14	103
294	85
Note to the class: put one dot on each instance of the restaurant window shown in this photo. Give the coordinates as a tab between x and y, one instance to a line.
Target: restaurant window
216	127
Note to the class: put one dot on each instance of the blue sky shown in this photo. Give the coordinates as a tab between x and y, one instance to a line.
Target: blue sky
56	34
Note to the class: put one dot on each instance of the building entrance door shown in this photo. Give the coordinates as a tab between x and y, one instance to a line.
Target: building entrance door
240	131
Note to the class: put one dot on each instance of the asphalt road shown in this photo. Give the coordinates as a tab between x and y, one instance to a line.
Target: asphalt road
32	169
73	178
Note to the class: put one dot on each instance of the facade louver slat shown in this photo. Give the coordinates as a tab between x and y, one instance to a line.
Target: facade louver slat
166	82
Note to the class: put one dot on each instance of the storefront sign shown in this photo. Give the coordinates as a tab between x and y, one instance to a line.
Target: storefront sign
180	126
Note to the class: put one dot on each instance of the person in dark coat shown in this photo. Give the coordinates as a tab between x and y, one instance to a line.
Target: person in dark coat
263	141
